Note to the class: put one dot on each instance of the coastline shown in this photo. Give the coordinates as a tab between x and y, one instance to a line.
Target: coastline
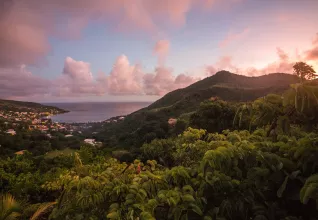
95	112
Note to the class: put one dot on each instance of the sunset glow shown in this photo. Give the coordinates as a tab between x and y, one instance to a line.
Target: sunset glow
118	50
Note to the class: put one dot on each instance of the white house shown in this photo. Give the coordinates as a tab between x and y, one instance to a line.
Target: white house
68	135
90	141
11	131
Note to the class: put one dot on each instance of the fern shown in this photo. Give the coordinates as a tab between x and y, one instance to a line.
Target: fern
310	189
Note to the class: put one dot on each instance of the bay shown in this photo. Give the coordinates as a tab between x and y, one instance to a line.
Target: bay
83	112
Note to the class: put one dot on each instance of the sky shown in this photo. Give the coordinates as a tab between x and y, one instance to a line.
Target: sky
139	50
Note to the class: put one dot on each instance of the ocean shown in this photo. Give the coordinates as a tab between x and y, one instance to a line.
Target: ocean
83	112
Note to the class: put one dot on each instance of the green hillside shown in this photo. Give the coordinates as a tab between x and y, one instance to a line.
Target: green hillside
182	102
11	105
227	86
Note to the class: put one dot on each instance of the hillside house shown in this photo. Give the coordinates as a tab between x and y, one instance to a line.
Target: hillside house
68	135
90	141
31	127
11	131
214	98
21	152
172	121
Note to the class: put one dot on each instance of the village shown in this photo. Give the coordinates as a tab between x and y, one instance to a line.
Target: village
12	122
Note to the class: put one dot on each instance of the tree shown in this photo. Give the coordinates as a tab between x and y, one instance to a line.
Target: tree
9	208
304	71
303	96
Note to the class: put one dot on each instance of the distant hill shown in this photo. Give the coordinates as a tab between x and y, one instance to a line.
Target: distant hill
227	86
152	120
11	105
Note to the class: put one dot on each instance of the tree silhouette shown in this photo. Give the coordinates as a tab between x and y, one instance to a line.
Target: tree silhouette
304	71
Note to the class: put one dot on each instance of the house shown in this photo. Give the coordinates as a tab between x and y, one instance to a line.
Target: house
68	135
90	141
21	152
172	121
121	118
46	120
31	127
214	98
11	131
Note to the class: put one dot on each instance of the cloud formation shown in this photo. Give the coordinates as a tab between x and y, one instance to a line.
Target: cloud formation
283	65
124	79
312	54
25	26
20	82
76	78
163	81
231	37
161	49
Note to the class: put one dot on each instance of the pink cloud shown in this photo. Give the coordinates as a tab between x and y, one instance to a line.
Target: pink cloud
124	78
281	54
161	49
284	17
76	80
163	81
312	54
77	70
158	83
231	37
20	82
223	63
282	65
25	26
183	80
315	41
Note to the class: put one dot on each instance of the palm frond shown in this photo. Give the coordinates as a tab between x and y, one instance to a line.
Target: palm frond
41	210
9	207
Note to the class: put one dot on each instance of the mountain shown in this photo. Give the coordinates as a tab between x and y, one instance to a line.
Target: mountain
227	86
11	105
151	122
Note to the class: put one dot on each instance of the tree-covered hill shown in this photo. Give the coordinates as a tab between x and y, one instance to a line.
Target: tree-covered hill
151	122
11	105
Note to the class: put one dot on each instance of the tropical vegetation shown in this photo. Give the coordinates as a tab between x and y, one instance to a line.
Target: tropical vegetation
225	160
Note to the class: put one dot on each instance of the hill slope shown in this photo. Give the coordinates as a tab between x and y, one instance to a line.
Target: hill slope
227	86
11	105
151	122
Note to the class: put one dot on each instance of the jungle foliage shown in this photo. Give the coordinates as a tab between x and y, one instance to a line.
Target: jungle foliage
224	161
199	175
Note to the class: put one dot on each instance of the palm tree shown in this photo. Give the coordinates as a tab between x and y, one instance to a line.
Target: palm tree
9	208
268	110
303	96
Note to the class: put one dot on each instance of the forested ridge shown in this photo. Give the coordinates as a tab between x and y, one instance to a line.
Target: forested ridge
248	159
20	106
